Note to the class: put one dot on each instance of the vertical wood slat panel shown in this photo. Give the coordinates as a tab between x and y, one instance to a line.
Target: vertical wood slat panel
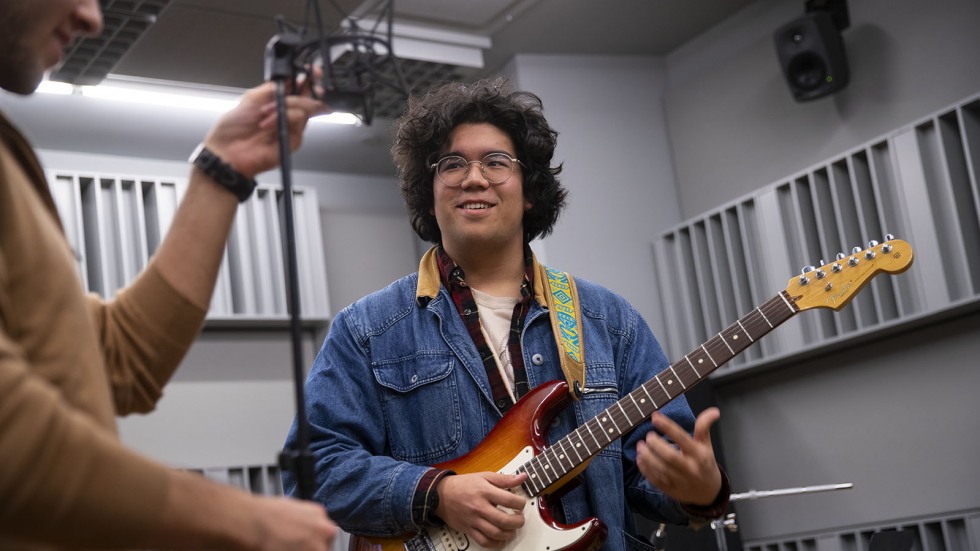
944	204
686	280
703	266
67	196
664	254
748	222
115	223
970	128
882	289
828	236
918	183
953	532
956	161
310	255
266	252
896	220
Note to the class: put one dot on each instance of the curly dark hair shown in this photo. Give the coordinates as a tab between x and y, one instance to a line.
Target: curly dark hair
423	130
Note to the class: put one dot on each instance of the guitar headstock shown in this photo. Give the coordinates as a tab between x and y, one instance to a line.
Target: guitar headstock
833	285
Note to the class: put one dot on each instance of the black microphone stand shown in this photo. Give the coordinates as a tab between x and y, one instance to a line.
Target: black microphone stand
354	91
279	67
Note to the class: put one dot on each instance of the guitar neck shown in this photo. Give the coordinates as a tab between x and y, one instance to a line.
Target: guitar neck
579	446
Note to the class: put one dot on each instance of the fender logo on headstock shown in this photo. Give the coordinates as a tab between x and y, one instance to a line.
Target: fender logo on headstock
843	292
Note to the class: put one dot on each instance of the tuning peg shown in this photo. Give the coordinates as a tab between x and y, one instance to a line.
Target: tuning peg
887	247
870	254
837	266
855	250
803	279
853	261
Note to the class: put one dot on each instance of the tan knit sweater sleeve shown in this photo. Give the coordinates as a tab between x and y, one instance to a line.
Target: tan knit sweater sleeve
145	333
66	363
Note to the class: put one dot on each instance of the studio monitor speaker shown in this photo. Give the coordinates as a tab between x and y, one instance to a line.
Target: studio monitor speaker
811	54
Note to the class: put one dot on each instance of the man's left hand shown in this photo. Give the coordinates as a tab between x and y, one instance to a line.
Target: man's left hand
685	470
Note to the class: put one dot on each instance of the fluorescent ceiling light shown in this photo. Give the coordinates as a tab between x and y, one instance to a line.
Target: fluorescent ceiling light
55	88
145	96
169	96
337	118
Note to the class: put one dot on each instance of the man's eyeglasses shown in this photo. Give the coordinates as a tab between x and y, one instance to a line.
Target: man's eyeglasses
495	167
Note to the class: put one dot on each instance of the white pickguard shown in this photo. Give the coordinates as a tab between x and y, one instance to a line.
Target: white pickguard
536	535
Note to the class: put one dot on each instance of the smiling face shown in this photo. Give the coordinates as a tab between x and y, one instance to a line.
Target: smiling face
476	217
34	34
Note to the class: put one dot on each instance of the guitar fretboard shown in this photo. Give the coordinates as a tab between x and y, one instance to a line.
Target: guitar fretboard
580	445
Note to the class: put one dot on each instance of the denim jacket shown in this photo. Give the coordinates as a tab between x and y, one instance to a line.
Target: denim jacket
398	386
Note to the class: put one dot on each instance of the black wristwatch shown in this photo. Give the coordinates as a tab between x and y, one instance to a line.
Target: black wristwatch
218	170
432	501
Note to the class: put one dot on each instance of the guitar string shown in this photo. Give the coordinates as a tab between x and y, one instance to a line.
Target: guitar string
776	308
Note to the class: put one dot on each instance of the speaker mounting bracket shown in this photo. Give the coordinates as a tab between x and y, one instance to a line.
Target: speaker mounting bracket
836	8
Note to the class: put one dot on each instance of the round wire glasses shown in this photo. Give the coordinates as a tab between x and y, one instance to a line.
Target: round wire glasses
495	167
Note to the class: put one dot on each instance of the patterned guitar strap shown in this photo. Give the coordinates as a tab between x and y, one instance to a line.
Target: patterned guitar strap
566	323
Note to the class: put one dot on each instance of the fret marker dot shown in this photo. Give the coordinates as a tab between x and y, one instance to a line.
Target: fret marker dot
578	444
534	475
700	360
643	400
610	431
562	456
670	382
546	467
735	337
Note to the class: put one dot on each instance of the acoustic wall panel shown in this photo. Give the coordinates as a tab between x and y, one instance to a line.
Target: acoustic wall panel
918	183
115	223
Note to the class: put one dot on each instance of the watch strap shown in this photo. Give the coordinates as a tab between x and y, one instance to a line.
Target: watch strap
222	173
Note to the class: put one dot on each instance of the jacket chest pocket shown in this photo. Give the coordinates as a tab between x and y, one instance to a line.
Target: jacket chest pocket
420	398
596	400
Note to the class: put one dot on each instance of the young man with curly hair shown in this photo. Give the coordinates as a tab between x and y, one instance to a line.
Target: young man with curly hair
416	375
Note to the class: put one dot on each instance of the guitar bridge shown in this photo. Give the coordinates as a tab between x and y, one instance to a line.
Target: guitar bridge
419	543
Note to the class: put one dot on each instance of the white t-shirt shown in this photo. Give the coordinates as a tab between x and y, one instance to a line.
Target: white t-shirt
495	317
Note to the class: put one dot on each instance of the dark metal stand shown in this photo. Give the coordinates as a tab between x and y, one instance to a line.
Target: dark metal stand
728	521
279	68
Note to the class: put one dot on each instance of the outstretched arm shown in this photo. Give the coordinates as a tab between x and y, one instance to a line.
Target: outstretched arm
246	138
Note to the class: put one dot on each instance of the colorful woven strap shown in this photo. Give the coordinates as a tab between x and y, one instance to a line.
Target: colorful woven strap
566	323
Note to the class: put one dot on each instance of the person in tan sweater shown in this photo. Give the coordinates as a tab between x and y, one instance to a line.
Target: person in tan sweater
70	363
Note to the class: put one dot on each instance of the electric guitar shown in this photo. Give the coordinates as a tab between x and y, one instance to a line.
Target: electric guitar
517	443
